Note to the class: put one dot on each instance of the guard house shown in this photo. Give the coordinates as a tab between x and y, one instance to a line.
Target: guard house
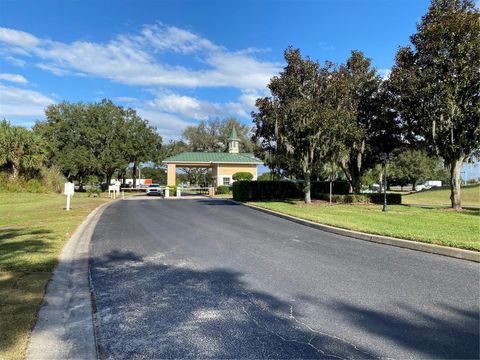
223	165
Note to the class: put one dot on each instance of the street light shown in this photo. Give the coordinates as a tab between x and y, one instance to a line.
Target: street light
384	158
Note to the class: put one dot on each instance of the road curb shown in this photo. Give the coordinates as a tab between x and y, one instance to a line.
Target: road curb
406	244
64	327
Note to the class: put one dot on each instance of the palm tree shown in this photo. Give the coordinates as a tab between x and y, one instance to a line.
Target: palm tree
20	148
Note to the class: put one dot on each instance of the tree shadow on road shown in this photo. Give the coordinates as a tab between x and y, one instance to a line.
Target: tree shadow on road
453	334
152	310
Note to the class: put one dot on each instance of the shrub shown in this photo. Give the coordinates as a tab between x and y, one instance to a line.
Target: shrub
53	179
392	199
265	190
377	198
323	187
172	190
95	192
223	189
35	186
21	185
268	177
242	175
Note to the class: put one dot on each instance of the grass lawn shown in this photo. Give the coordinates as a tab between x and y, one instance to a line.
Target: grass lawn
33	230
441	196
431	225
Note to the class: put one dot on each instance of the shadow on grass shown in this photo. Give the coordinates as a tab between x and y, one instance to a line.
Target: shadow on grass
19	248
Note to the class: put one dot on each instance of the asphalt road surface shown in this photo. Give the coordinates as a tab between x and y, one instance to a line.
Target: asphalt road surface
212	279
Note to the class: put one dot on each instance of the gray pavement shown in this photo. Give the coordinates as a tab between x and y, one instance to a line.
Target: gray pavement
212	279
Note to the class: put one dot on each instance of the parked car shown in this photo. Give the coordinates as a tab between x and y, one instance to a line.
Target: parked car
154	189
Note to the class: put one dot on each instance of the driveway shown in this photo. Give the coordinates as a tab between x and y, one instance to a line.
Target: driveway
211	279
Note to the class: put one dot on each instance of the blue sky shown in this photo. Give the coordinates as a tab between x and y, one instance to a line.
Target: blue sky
179	62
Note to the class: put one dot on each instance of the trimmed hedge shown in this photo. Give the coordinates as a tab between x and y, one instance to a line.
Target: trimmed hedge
223	189
242	175
265	190
323	187
281	190
374	198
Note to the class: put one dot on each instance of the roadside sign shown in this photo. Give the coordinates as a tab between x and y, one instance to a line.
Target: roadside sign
69	190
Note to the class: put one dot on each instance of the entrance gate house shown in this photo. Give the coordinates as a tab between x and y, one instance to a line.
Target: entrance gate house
223	165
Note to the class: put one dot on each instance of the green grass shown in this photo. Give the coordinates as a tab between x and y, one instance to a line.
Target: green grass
439	226
33	230
441	196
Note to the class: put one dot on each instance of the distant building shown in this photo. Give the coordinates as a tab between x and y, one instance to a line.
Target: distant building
223	165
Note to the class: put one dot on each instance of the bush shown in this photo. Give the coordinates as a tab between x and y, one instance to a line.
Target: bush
242	175
377	198
265	190
323	187
95	192
53	179
172	190
21	185
223	189
392	199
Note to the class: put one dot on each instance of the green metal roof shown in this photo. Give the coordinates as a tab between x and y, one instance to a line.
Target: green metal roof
233	135
213	157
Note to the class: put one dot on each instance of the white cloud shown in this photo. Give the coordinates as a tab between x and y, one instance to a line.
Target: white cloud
175	39
15	61
169	126
134	59
186	106
18	38
15	102
15	78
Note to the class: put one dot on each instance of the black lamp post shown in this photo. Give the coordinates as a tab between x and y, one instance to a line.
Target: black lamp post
384	158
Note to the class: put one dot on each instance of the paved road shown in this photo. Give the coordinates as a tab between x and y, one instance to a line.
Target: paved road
211	279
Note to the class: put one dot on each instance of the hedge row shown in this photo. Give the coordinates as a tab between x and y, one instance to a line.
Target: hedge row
373	198
281	190
323	187
265	190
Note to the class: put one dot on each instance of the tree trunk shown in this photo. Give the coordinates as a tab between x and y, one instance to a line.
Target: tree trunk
414	185
108	177
15	169
455	182
134	175
306	187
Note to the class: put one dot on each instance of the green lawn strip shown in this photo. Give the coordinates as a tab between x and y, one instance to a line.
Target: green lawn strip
470	197
33	230
431	225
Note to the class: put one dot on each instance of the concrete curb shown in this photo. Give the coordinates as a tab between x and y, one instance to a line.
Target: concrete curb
407	244
64	327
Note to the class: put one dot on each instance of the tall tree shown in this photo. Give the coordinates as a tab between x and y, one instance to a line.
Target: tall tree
69	135
437	84
20	149
109	136
300	116
143	142
369	128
